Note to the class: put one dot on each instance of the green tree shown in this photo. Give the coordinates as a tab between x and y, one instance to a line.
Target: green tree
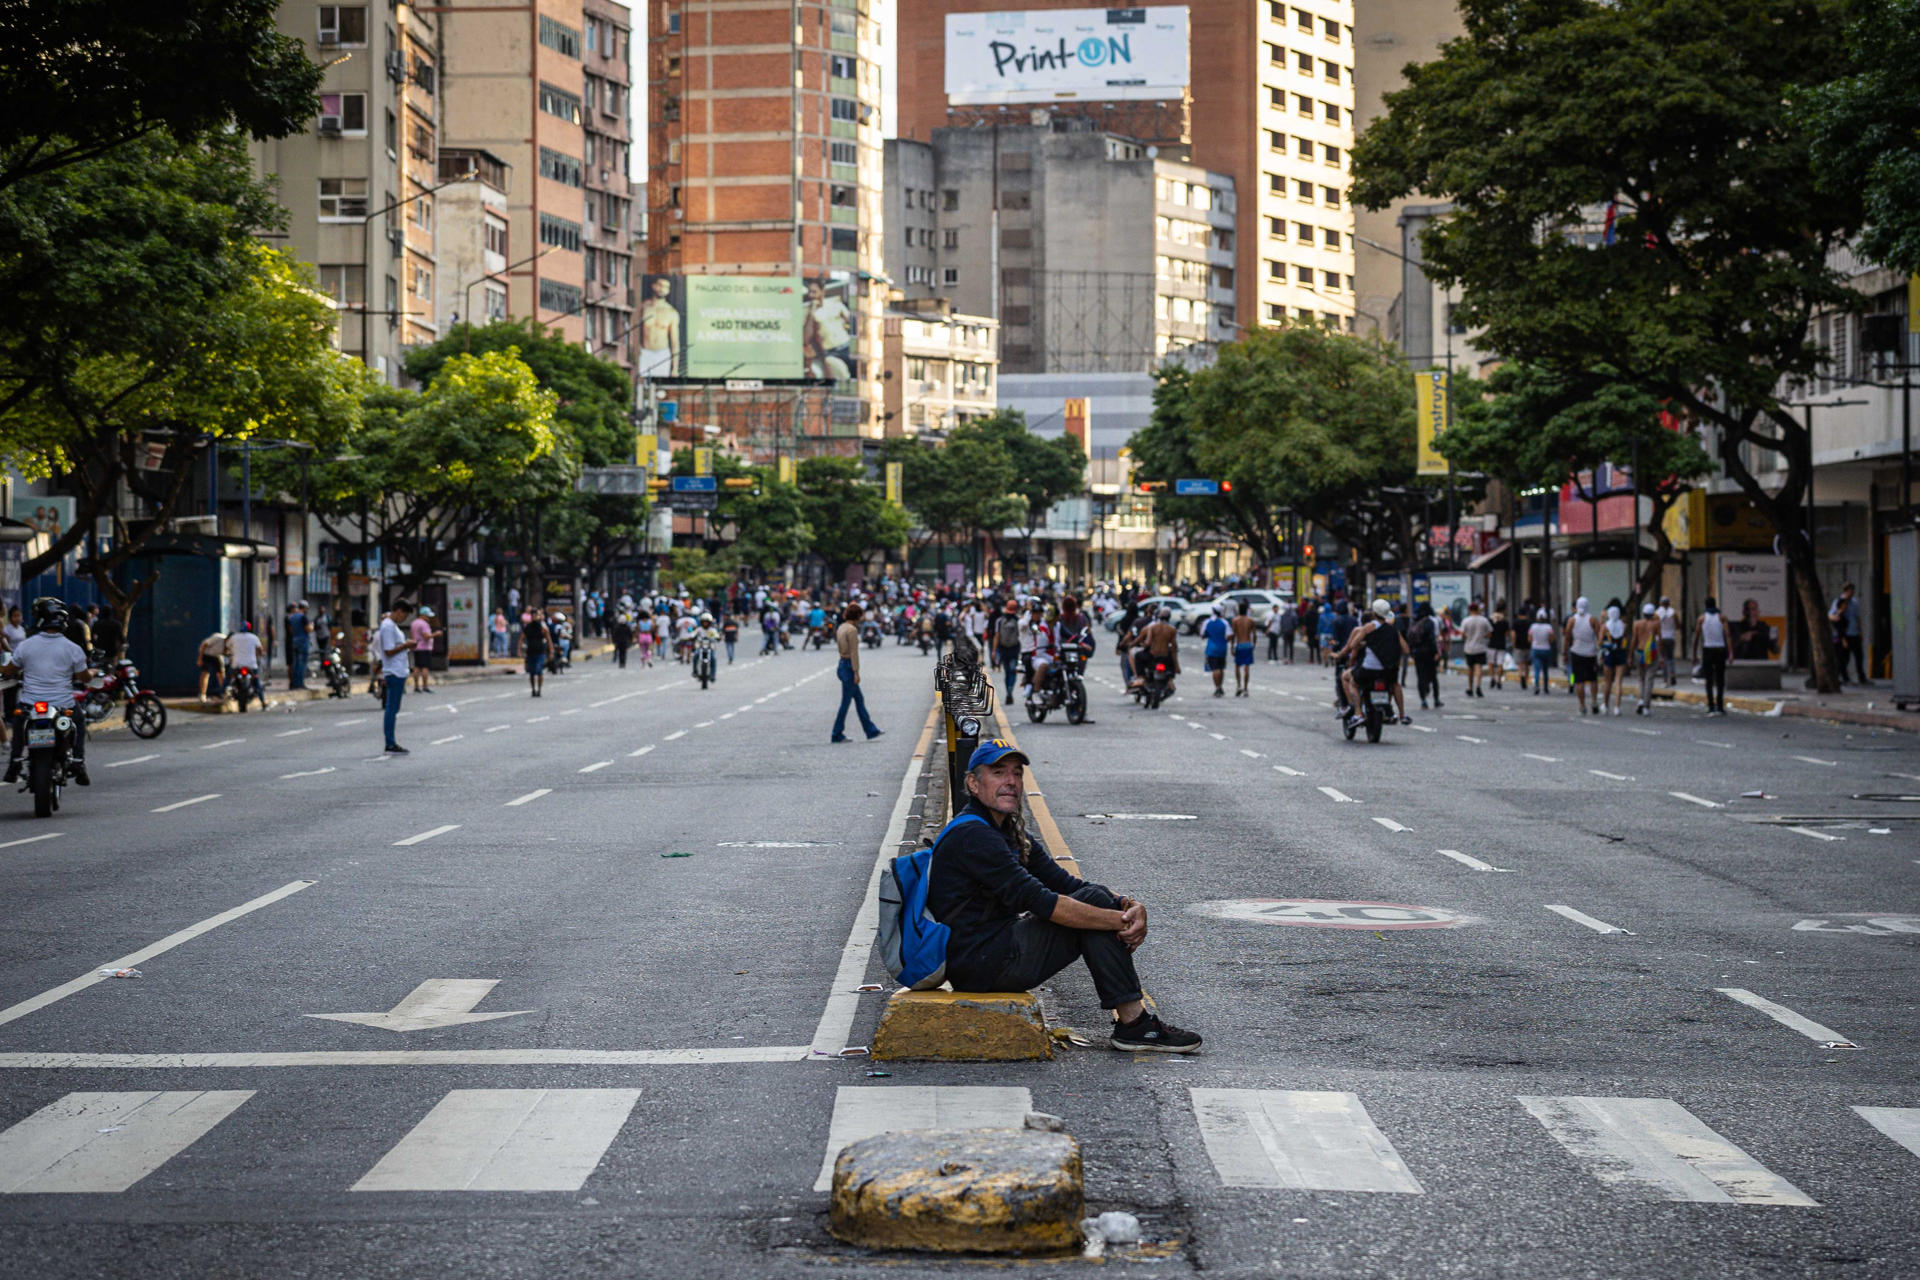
958	490
850	517
82	77
1865	127
1045	471
1679	114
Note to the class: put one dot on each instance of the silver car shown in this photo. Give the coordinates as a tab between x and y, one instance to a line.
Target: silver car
1183	612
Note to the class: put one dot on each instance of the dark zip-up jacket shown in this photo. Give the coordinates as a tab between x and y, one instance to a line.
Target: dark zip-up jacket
978	887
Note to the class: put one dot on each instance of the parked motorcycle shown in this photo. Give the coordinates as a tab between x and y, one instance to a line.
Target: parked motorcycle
146	714
704	668
49	755
333	669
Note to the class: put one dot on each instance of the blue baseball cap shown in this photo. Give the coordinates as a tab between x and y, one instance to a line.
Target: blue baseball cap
993	751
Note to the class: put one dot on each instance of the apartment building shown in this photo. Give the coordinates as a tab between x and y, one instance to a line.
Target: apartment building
607	121
942	367
764	159
356	184
473	223
1094	256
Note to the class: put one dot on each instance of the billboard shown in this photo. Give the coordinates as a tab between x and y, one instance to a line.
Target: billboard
745	327
1752	591
1430	411
1037	55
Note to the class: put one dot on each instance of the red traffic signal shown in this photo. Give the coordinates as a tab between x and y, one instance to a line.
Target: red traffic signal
1226	486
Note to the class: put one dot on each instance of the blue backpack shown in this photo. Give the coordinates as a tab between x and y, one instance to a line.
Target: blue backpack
913	945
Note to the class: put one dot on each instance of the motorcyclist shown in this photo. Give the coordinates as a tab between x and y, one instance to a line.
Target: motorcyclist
1378	646
706	635
1158	640
46	664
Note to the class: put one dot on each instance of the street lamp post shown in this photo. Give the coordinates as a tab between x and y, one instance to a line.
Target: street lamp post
366	254
466	295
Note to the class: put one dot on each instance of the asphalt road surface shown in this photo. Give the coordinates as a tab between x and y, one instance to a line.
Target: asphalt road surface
1512	993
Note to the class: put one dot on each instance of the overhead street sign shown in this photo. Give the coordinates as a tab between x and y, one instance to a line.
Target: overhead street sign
695	484
1196	488
612	480
692	501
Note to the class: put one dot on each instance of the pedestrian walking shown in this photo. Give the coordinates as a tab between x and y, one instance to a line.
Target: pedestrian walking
424	635
1423	643
1006	644
497	634
1540	639
1476	640
1669	620
1242	626
391	643
1646	655
1845	619
846	639
1711	638
621	633
535	643
1614	652
1289	628
1583	656
730	636
299	644
1499	644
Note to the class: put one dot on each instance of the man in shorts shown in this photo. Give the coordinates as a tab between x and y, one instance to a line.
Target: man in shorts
1243	632
1475	632
1216	633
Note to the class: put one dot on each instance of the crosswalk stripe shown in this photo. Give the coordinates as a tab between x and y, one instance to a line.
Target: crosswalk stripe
1302	1140
505	1140
863	1112
106	1142
1902	1124
1658	1146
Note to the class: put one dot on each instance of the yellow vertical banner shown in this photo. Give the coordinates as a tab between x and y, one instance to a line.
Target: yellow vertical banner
644	449
784	470
703	461
893	481
1913	306
1430	414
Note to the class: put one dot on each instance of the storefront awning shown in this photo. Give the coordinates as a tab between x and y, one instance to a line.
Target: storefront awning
1489	559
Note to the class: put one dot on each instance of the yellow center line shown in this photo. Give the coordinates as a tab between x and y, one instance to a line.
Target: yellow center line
1042	815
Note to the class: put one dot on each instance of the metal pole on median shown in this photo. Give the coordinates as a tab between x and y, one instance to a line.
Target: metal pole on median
966	703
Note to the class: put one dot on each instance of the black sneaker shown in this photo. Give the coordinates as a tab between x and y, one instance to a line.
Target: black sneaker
13	772
1147	1034
395	749
80	773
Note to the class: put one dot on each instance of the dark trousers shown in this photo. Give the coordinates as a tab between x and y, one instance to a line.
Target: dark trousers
1010	663
620	655
1286	643
396	686
1273	646
1713	665
297	656
850	696
1857	647
1427	667
1028	952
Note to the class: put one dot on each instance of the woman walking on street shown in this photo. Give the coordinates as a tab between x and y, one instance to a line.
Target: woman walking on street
1613	658
1540	638
1710	637
1646	653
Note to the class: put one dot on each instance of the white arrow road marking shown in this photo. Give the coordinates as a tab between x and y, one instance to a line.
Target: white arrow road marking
437	1002
1336	795
642	751
505	1140
1617	777
1831	764
307	773
1544	759
528	798
427	835
1659	1146
105	1142
1391	825
181	804
675	735
1469	860
1299	1140
1291	773
291	732
1692	799
1827	1036
1581	917
596	766
224	742
136	760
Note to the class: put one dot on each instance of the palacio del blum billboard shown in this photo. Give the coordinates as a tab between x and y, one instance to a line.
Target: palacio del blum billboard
1049	55
711	328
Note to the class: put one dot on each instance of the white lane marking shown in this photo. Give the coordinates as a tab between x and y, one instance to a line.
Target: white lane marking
1817	835
499	728
528	798
291	732
1250	754
51	835
843	997
642	751
1786	1017
571	711
405	1058
759	700
181	804
1336	795
1464	738
505	1140
105	1142
676	734
1544	759
1468	860
538	719
1174	715
1300	1140
427	835
596	766
865	1112
1647	733
704	724
1902	1124
464	701
348	724
1831	764
224	742
511	693
307	773
145	954
727	715
440	742
745	706
1693	799
1703	742
136	760
1617	777
1218	737
1391	825
1581	917
1418	728
1657	1145
1291	773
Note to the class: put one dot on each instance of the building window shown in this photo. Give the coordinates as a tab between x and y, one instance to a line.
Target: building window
423	76
1332	110
950	239
841	196
842	23
1330	70
844	109
1277	228
1303	275
560	168
1277	99
1277	271
673	23
1450	319
1330	29
1276	55
1303	105
845	153
1303	232
559	37
845	240
343	198
559	233
1331	279
1303	63
558	102
423	214
422	282
1304	146
393	137
950	275
1303	189
496	237
1276	184
346	285
842	67
1331	237
563	298
1276	312
673	64
1302	19
949	200
1329	194
343	113
496	303
342	24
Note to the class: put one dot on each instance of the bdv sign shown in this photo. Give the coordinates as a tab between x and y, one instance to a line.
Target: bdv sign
1320	913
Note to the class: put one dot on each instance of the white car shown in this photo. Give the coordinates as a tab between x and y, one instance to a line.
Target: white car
1181	609
1260	603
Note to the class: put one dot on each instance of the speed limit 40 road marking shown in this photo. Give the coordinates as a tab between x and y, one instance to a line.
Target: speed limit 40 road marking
1879	926
1319	913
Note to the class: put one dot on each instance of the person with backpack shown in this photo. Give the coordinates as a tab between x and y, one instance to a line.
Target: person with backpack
1423	641
1005	916
1006	643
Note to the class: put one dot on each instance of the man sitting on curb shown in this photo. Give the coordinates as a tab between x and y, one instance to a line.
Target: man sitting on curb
1016	918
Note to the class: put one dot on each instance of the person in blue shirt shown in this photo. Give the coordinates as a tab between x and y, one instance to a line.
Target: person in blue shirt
1215	632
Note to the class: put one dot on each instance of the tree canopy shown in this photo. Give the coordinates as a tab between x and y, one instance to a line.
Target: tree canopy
1865	127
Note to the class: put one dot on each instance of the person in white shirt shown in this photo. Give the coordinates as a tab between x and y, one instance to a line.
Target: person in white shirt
1475	632
1540	637
45	663
243	649
1583	655
1710	637
1669	619
390	644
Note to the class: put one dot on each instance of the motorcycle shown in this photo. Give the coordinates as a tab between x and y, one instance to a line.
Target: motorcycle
926	643
870	634
246	686
1064	688
146	714
820	637
1156	685
333	669
49	754
1376	700
703	662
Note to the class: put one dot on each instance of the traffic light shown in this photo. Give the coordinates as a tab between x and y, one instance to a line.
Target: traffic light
658	484
1151	486
1226	486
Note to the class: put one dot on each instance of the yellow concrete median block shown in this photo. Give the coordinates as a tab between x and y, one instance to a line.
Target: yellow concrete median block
957	1026
960	1191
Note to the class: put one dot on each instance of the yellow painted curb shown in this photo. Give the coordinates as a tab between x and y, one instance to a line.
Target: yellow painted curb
954	1026
962	1191
1037	801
